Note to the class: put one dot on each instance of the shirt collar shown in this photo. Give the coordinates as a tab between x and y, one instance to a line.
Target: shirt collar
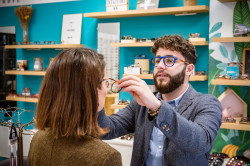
176	100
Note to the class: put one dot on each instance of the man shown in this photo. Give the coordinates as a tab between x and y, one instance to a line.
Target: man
174	126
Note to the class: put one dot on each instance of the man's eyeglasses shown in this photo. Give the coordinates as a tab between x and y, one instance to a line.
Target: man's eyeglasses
168	60
114	83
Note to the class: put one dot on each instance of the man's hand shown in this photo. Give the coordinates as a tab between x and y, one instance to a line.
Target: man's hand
140	91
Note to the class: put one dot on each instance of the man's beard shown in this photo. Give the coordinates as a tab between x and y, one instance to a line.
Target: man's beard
174	82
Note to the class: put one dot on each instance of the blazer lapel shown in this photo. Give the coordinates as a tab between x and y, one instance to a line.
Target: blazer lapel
186	100
149	125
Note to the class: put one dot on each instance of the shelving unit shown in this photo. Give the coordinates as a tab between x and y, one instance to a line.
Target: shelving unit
150	44
27	72
230	82
149	12
116	106
230	39
23	99
234	126
55	46
192	77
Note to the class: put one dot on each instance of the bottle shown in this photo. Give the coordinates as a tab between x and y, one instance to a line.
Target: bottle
38	64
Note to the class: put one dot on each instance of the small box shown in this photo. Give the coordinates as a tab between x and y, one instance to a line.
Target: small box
132	70
232	71
197	39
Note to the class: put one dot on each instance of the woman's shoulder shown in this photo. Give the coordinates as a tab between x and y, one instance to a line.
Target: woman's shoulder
99	144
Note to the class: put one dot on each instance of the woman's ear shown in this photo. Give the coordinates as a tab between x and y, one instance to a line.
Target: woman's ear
190	69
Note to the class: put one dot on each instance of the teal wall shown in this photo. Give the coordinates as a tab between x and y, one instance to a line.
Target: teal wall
46	24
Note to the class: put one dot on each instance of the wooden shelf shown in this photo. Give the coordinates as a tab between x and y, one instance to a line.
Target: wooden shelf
24	99
192	77
150	44
35	100
234	126
113	95
27	72
230	82
230	0
149	12
56	46
116	106
230	39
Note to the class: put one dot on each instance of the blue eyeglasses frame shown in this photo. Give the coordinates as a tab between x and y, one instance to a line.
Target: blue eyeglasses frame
163	57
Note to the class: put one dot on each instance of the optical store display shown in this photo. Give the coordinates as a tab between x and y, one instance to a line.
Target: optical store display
220	159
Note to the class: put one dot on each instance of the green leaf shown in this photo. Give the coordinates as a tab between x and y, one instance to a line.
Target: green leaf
241	16
233	56
211	51
216	27
223	51
221	66
238	47
213	71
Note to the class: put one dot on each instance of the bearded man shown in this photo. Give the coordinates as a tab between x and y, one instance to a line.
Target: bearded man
175	125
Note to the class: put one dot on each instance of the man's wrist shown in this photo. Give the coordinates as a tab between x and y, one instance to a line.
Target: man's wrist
154	111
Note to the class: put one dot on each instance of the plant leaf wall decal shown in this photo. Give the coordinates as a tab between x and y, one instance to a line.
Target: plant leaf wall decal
241	16
216	27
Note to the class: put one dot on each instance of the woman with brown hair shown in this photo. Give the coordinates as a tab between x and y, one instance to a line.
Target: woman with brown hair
72	93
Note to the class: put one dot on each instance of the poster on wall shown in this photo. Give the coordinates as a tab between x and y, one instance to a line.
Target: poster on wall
71	29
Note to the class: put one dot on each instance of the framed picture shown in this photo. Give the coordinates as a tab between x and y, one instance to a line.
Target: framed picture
71	29
22	65
246	61
147	4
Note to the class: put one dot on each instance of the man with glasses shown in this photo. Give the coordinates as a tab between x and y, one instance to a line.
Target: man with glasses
174	126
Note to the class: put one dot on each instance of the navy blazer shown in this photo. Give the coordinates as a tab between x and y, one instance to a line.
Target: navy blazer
190	129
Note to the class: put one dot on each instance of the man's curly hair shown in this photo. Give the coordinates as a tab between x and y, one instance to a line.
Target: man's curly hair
176	43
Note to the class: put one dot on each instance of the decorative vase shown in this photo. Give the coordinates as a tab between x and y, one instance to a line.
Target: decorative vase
25	34
24	14
190	2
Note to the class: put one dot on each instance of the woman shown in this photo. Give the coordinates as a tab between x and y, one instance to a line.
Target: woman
72	92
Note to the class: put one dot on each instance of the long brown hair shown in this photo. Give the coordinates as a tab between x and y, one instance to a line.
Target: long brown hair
68	101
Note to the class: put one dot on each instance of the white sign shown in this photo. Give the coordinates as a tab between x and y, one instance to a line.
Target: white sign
71	29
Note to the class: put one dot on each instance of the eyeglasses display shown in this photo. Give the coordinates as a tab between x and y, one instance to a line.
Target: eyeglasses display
128	137
228	77
168	61
113	84
238	161
228	120
245	120
35	43
141	39
129	37
123	102
219	159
